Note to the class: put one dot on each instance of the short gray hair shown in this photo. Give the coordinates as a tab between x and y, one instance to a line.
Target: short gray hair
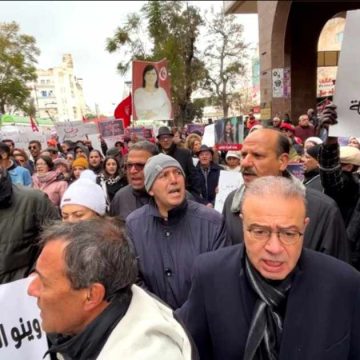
275	185
145	146
98	251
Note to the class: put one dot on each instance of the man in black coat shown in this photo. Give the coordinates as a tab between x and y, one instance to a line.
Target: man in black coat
270	298
209	173
183	156
266	152
134	195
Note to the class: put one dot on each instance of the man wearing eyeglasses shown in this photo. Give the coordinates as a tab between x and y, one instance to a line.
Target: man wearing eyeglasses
270	298
133	195
265	152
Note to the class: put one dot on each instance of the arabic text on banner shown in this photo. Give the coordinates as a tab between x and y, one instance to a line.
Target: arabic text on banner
347	87
228	181
21	336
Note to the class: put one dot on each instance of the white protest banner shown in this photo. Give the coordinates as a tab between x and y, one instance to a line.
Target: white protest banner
228	181
347	87
278	82
75	130
21	336
22	135
209	135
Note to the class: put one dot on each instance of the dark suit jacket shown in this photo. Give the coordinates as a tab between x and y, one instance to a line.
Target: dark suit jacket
322	320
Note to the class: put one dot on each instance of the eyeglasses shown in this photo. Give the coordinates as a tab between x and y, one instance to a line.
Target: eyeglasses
32	147
137	166
285	236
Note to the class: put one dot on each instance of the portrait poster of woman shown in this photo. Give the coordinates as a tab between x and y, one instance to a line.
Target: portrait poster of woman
151	89
229	133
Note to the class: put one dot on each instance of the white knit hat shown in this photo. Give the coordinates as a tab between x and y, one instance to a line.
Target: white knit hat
349	155
85	192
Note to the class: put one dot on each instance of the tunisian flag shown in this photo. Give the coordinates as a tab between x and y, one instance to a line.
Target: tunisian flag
33	124
123	111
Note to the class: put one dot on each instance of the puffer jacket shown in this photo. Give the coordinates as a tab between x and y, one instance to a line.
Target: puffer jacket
166	248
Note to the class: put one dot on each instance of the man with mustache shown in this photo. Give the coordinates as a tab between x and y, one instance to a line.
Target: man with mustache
170	231
266	153
133	195
270	298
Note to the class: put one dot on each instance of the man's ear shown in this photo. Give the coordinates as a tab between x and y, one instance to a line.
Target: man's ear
95	296
284	160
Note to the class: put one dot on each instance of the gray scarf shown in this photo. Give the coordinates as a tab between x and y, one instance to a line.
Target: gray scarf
264	338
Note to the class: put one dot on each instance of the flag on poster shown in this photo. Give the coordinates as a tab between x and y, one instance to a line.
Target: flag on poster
123	111
151	91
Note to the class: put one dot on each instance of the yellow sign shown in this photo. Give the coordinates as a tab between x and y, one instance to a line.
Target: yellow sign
265	114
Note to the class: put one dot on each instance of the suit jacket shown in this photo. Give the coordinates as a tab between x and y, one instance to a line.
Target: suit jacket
322	319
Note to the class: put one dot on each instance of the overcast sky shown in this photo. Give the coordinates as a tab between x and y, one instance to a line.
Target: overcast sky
81	28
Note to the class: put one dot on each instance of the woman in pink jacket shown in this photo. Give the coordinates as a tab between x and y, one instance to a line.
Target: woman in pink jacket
48	180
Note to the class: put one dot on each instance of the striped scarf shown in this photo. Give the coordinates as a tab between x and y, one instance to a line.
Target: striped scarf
266	327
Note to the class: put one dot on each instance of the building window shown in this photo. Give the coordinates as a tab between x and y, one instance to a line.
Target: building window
43	93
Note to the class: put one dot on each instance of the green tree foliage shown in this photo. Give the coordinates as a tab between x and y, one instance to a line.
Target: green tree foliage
224	57
17	59
172	28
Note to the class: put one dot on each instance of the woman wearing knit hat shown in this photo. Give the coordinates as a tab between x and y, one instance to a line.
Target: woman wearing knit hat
84	199
78	166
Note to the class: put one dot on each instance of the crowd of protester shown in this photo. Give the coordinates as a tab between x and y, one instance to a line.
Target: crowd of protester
138	219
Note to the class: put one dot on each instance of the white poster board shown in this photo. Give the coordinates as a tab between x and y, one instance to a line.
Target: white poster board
228	181
75	130
22	135
347	88
21	336
209	135
278	82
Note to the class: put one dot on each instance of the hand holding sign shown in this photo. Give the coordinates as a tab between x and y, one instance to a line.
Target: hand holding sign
328	116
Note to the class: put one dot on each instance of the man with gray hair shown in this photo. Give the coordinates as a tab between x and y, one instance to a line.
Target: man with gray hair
133	195
170	231
270	298
84	285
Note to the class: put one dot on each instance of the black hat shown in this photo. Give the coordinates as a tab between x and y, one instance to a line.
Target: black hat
205	148
164	130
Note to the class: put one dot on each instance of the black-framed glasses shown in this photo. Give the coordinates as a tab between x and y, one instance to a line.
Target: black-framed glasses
32	147
285	236
137	166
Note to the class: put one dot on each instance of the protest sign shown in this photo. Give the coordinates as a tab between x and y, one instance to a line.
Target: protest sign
151	89
75	130
111	130
228	181
209	135
22	135
195	127
347	87
229	133
297	169
21	336
278	82
141	132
